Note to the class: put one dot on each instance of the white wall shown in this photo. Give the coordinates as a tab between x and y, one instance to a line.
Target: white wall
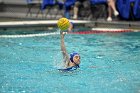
14	1
1	0
18	1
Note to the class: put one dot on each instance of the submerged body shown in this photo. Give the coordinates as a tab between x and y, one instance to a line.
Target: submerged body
69	68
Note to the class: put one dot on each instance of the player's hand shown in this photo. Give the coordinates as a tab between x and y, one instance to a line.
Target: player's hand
64	33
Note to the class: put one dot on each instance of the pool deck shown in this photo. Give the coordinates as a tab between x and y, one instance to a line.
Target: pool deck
135	25
37	23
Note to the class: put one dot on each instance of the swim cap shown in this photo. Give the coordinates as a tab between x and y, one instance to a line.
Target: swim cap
72	55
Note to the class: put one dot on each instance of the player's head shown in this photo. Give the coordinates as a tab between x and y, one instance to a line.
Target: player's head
75	58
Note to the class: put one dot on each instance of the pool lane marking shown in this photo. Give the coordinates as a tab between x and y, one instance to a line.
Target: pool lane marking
93	31
28	35
96	31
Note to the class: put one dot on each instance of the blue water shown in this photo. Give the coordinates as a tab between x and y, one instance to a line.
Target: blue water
110	63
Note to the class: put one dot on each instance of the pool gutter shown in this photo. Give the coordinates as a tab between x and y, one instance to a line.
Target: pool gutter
53	23
15	24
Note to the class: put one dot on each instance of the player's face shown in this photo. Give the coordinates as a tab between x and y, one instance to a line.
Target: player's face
76	59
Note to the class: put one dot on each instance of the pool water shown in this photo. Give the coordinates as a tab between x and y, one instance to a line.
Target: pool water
110	63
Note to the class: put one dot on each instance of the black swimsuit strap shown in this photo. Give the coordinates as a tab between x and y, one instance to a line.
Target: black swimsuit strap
77	65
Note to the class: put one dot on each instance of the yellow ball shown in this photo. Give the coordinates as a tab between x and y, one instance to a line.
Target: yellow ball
63	23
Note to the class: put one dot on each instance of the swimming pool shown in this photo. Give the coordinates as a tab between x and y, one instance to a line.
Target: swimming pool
110	63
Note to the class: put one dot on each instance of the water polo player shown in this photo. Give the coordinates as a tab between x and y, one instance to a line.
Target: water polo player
71	62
